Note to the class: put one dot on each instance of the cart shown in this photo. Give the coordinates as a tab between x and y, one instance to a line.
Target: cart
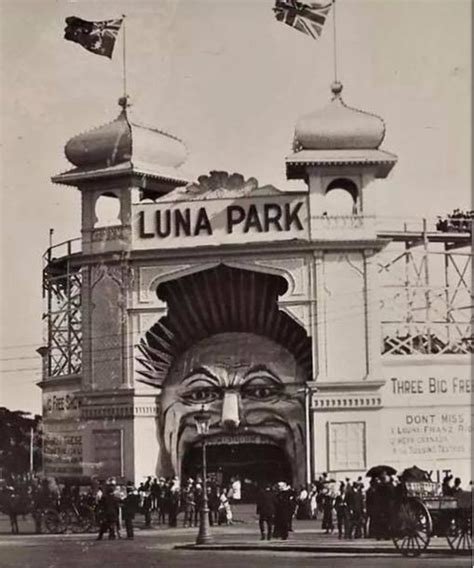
421	511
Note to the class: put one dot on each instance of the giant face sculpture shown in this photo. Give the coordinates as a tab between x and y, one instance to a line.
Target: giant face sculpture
250	384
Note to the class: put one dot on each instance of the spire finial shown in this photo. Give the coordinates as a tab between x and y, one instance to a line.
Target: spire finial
123	103
336	89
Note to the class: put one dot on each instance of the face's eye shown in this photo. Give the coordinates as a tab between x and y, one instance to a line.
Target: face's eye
260	392
201	394
261	388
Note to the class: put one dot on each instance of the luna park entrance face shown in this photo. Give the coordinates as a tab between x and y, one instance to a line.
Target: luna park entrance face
249	385
256	462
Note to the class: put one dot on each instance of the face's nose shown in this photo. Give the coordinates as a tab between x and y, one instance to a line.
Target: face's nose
230	410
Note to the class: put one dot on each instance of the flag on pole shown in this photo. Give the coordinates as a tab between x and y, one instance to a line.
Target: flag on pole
307	18
97	37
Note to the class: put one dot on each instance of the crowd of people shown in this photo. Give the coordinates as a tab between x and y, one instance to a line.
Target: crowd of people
167	497
171	502
112	504
357	511
352	508
340	505
24	495
456	222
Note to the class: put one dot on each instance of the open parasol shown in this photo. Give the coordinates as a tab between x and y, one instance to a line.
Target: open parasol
377	470
414	474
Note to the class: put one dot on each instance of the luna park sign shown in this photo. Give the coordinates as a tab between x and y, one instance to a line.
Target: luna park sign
215	222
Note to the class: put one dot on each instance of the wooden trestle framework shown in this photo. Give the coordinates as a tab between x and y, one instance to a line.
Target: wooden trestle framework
426	293
62	288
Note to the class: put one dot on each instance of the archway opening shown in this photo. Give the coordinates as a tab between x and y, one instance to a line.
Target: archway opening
342	197
107	211
255	464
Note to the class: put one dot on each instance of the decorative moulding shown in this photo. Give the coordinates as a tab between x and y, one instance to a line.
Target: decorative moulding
348	402
120	411
149	277
221	185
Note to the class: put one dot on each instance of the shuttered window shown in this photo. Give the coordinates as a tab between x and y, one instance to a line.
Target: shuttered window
346	445
108	453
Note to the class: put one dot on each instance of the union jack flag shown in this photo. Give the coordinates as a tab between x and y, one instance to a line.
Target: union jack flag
307	18
97	37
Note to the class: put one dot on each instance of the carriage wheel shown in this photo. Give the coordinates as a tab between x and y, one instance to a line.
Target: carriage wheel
73	522
84	520
76	522
87	519
459	534
53	522
412	528
94	525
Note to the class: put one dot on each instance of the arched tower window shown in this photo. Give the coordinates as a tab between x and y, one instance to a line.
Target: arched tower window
107	210
342	197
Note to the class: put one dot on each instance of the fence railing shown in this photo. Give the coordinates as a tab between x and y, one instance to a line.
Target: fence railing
63	249
342	226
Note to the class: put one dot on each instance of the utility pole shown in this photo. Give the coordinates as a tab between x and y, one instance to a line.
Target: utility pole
32	433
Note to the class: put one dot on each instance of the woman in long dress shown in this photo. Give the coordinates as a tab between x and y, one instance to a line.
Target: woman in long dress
225	511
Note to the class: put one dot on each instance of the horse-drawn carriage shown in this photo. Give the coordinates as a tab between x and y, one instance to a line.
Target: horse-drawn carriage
51	511
75	517
420	511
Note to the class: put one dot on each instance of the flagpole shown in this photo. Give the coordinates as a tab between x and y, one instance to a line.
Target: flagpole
124	60
334	39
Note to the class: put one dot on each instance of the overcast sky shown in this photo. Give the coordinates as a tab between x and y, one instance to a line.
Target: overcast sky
229	80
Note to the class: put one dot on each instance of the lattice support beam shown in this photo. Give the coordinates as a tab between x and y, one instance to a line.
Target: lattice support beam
426	298
63	318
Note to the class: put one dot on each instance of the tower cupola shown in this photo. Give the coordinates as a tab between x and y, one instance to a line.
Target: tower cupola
125	147
338	147
338	127
123	140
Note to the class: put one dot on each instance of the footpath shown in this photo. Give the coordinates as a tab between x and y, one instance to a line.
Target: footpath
304	540
307	536
242	535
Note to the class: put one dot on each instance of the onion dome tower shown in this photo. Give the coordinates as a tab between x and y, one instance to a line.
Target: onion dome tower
114	166
111	161
339	147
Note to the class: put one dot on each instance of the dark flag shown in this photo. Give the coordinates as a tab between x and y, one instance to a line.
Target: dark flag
308	18
98	37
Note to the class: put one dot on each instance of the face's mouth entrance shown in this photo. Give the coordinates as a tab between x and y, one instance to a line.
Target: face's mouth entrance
256	459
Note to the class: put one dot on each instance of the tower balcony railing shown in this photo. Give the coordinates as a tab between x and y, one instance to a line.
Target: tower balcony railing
110	233
62	250
343	227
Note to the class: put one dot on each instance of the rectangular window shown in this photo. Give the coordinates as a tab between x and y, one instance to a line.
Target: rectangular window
346	445
108	453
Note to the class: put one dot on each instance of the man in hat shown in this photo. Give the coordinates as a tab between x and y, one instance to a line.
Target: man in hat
108	508
284	508
161	501
189	501
173	501
266	512
129	509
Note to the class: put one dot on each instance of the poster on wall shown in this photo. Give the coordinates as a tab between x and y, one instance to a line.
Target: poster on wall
62	454
60	404
427	419
429	434
108	453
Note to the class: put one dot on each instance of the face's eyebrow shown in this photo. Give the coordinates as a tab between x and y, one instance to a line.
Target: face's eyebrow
259	369
190	378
